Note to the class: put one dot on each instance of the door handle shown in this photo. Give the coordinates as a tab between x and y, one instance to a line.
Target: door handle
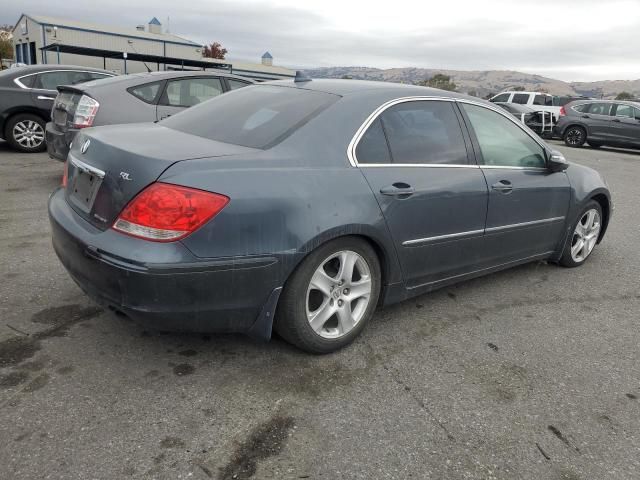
42	97
503	186
398	189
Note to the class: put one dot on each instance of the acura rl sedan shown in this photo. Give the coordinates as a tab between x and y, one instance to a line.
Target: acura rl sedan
305	205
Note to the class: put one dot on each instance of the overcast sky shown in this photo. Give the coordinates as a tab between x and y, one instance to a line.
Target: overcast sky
564	39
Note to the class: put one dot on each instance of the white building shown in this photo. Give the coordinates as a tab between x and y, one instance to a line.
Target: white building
40	39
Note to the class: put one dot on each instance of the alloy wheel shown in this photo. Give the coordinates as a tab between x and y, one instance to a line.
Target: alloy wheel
28	134
575	136
585	235
338	294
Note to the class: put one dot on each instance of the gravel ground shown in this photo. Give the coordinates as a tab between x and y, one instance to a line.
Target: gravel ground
532	373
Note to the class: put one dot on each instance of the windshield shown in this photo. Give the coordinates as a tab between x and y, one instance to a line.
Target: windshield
258	116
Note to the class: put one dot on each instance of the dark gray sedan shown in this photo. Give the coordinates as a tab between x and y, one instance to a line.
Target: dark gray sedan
305	205
142	97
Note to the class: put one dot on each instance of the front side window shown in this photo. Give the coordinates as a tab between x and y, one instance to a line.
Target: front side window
599	109
372	147
188	92
503	97
147	92
502	142
625	111
521	98
424	132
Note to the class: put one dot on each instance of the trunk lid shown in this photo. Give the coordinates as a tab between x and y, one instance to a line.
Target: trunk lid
108	166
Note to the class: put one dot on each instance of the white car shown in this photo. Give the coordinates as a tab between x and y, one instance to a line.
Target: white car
540	102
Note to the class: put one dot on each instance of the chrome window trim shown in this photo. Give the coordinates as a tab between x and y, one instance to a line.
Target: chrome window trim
24	87
524	224
418	241
506	167
471	233
86	167
353	144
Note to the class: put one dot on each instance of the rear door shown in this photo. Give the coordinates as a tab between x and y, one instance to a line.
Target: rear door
417	159
182	93
597	117
626	123
527	203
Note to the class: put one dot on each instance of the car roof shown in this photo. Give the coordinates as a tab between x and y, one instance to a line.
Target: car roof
349	87
627	102
32	69
140	78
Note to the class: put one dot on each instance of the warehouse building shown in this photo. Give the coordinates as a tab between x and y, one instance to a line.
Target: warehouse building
41	39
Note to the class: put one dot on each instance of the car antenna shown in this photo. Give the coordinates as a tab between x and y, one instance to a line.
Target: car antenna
301	77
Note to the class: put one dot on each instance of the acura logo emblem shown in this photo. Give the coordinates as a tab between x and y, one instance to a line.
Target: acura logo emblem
85	146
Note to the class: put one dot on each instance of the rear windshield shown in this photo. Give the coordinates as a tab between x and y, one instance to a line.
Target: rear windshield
258	116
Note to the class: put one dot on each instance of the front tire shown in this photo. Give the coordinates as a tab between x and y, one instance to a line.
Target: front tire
575	136
584	236
25	133
330	297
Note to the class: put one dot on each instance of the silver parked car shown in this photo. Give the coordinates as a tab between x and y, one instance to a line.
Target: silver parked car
143	97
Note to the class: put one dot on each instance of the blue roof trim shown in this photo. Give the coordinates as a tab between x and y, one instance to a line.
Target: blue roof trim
154	21
173	42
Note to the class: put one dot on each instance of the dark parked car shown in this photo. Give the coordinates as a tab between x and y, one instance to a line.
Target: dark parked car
26	97
312	203
142	97
600	122
539	122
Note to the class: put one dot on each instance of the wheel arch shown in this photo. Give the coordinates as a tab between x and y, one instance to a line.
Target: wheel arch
605	205
12	112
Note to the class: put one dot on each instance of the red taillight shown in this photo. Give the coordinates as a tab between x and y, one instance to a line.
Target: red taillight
562	112
86	111
65	175
164	213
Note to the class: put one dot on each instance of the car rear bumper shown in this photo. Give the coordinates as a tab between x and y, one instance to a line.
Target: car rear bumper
163	285
58	142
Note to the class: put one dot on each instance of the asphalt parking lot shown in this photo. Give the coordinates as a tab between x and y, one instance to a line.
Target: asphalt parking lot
532	373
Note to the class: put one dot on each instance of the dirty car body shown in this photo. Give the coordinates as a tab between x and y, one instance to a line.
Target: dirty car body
293	161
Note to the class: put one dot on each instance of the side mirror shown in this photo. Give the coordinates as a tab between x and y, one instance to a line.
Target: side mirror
556	161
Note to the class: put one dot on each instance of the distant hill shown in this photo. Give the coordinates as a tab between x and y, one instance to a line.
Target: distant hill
483	83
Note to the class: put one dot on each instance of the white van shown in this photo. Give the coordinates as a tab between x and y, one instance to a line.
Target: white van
540	102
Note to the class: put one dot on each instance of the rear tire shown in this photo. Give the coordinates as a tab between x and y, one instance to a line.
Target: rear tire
575	136
25	133
330	297
584	236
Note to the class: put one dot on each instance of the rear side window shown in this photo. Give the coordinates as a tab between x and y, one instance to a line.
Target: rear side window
258	116
521	98
503	97
373	147
188	92
424	132
235	84
543	100
51	80
147	92
581	108
28	81
599	109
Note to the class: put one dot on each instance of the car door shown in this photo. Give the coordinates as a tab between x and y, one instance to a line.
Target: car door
626	124
598	120
417	159
182	93
44	90
528	203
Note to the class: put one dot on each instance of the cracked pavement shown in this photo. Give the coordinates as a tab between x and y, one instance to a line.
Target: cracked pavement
529	373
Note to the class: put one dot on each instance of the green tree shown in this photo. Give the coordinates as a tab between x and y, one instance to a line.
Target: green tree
625	96
439	80
6	45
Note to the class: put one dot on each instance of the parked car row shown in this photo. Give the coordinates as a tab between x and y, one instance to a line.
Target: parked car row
71	98
539	122
303	205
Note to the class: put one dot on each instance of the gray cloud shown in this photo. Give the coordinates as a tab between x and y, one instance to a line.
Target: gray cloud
301	38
